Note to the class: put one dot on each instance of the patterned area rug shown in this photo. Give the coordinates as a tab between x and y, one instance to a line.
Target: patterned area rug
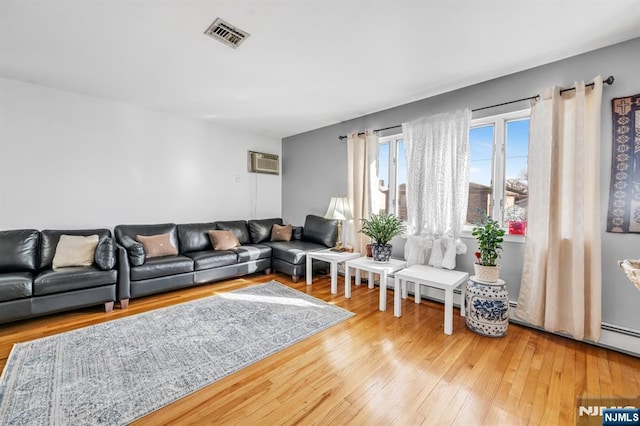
118	371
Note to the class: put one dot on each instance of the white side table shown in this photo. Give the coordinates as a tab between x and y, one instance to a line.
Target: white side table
367	264
443	279
333	258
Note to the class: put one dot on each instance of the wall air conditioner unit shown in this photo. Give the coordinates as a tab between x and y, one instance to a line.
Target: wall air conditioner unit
260	162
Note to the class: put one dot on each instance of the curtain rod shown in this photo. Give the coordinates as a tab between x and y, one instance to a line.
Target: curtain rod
608	81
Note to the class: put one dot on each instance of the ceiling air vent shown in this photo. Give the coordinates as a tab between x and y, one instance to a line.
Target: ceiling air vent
226	33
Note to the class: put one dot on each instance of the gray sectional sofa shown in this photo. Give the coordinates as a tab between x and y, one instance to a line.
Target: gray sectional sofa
197	262
120	270
29	287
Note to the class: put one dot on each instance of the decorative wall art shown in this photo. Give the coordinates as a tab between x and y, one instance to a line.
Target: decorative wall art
624	192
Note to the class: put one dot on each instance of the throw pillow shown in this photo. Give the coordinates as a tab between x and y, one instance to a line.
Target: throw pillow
106	254
281	233
75	250
223	240
157	245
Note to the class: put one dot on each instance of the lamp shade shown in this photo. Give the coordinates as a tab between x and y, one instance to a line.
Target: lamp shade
339	208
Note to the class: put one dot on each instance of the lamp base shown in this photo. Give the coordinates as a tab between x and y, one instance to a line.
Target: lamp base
340	250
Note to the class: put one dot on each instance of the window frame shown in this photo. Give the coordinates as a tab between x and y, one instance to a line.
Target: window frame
393	141
498	163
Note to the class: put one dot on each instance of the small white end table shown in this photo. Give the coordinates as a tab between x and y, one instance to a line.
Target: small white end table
331	257
443	279
367	264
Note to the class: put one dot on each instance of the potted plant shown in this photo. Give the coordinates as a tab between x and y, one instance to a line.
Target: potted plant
490	237
382	228
516	218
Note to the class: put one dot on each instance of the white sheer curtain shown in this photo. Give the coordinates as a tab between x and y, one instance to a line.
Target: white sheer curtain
362	159
561	277
437	152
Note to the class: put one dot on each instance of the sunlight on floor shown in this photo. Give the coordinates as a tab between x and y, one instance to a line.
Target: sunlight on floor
270	299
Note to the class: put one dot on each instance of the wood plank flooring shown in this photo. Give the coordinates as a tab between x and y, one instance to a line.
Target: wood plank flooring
376	369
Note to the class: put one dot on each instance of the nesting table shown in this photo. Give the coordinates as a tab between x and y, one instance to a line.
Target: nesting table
422	275
333	258
367	264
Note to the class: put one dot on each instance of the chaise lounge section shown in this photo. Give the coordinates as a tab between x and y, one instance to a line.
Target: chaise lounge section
289	257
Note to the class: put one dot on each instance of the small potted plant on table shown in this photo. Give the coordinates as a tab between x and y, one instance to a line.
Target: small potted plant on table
516	218
382	228
490	237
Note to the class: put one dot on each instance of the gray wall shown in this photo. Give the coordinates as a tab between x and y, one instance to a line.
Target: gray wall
314	163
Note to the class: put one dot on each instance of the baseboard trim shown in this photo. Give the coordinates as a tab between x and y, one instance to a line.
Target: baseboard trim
614	337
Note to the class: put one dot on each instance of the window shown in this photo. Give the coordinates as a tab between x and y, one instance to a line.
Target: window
499	148
392	176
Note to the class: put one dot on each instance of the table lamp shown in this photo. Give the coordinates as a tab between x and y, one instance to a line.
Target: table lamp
339	209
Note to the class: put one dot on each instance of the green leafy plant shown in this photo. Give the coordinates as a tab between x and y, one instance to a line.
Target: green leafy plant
382	227
490	237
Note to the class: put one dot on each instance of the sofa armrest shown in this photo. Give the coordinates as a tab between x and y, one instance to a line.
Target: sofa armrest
296	232
134	249
105	256
123	291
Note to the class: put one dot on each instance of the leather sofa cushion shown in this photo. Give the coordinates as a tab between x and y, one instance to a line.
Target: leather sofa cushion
296	232
69	279
132	231
320	230
18	250
250	252
162	267
293	251
213	259
49	242
15	285
106	254
239	228
194	236
260	230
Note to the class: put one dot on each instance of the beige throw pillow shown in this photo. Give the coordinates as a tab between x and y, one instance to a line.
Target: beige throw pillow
223	240
75	250
281	233
157	245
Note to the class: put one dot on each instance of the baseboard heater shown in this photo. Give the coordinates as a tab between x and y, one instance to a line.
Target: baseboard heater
614	337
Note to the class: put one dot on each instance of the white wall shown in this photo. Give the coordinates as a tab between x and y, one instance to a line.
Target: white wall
73	161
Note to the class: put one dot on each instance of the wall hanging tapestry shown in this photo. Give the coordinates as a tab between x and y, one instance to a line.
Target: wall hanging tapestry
624	192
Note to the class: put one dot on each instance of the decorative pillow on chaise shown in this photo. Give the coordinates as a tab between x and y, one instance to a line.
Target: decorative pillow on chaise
281	233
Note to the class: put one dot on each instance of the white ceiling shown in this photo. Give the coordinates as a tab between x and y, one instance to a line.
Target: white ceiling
307	64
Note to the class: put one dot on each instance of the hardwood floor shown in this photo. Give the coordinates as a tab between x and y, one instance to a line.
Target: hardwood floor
378	369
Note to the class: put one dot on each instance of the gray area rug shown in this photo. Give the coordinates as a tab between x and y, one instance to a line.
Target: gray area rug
118	371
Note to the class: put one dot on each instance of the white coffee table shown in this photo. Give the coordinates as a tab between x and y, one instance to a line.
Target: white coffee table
422	275
333	258
367	264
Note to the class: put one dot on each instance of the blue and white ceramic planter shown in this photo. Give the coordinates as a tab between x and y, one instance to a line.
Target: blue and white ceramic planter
381	252
487	307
